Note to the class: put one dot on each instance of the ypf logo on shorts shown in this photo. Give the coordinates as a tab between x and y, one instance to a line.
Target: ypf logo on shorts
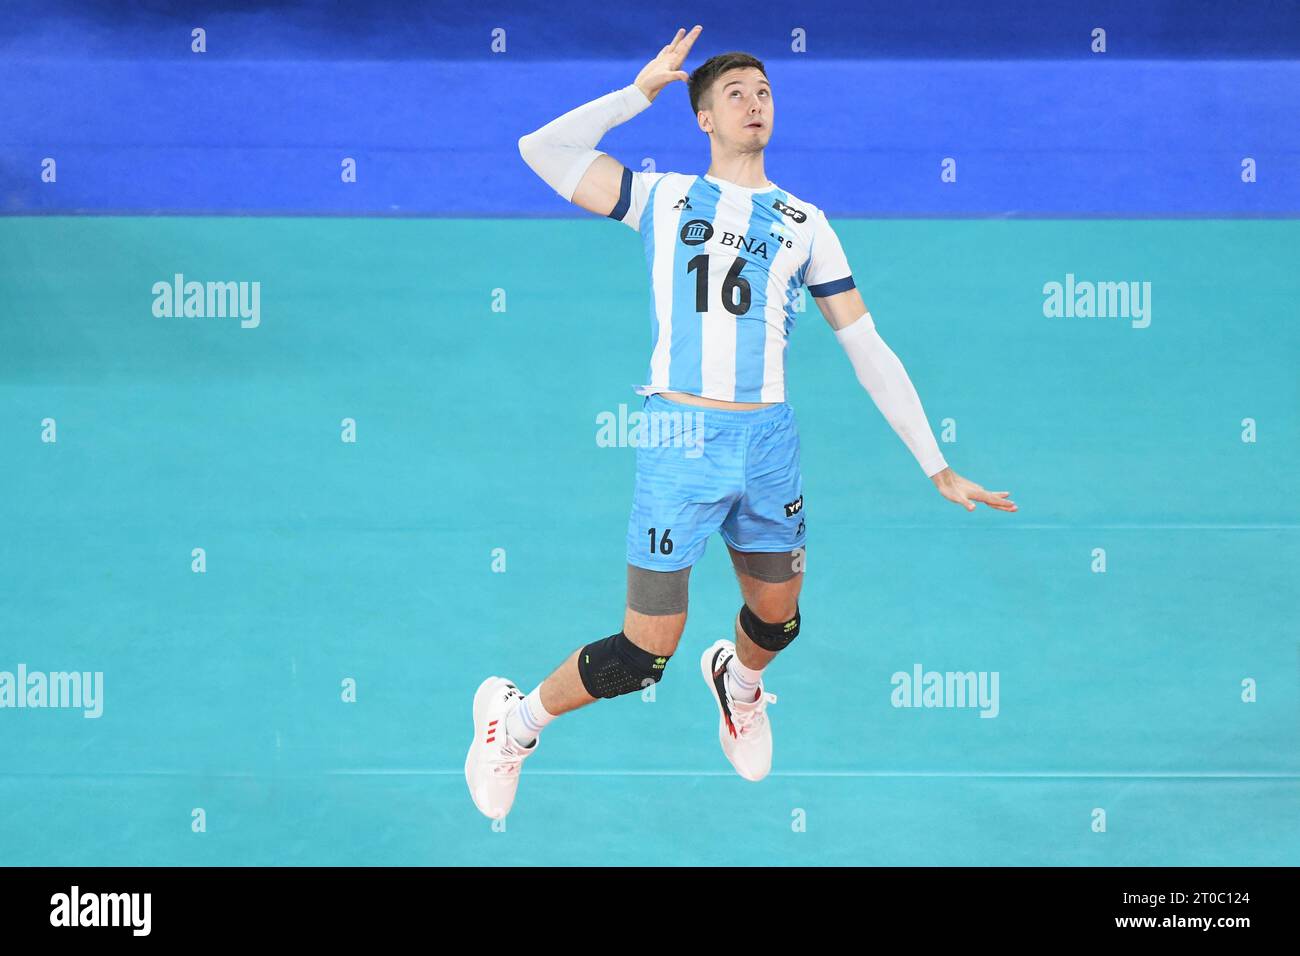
794	507
697	231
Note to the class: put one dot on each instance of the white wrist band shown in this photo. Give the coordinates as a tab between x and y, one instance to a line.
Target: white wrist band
882	374
562	150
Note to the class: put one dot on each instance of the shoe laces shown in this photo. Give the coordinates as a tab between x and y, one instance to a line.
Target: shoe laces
508	758
750	716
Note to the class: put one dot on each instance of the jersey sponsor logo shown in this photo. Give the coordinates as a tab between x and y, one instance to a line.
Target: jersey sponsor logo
746	243
696	232
794	507
798	215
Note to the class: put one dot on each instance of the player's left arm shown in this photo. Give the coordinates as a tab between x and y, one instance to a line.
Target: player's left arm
882	374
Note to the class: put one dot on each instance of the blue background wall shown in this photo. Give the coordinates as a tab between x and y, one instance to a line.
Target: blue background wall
261	122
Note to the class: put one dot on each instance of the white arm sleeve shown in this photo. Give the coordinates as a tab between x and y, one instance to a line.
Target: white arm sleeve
562	150
883	376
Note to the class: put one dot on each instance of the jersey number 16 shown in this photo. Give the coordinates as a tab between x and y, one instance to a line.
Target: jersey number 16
730	284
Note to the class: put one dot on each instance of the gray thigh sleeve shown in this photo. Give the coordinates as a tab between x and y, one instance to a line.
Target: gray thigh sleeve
656	592
774	567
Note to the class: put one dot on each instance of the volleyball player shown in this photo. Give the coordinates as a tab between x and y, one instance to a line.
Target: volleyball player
728	254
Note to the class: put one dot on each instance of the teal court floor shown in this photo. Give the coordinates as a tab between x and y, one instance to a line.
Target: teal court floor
476	526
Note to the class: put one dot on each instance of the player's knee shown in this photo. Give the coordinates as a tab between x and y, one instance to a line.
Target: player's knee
615	666
658	635
770	636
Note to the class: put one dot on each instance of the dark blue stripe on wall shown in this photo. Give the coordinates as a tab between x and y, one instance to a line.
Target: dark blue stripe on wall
922	29
856	137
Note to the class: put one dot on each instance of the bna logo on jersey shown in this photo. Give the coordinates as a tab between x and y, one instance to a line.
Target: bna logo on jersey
798	215
697	231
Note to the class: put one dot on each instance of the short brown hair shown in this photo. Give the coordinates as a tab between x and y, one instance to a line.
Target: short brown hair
708	71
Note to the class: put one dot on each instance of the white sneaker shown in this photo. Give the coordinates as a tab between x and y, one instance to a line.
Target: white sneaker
743	727
492	764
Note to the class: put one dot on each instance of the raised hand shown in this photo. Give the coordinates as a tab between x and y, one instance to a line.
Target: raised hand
665	67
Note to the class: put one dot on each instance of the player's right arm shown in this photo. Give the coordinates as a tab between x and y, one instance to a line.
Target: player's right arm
881	372
563	152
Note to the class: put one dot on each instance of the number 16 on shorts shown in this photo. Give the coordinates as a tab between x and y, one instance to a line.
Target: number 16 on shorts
664	542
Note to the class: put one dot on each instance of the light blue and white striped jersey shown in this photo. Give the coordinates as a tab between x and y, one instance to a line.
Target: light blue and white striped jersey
726	266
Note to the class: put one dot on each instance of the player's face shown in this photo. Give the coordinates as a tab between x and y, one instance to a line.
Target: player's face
742	109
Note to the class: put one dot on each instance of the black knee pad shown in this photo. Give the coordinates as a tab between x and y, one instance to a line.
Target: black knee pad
616	666
770	637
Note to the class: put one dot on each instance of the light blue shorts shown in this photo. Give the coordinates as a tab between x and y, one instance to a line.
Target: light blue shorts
700	470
